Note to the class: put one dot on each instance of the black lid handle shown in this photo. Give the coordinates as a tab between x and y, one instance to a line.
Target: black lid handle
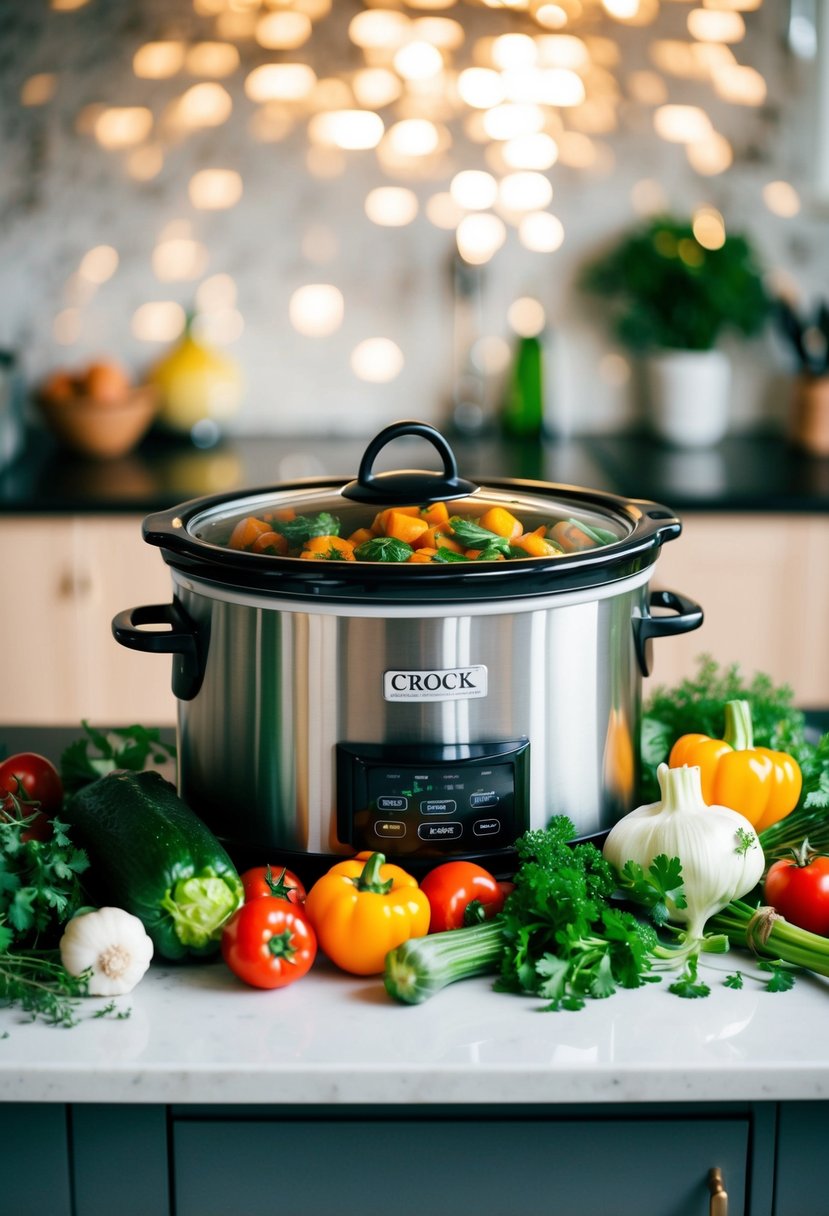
408	485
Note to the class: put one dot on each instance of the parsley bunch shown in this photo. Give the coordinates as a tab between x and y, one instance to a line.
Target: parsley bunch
563	939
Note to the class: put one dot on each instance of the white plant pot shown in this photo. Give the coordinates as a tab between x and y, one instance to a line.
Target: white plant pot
688	396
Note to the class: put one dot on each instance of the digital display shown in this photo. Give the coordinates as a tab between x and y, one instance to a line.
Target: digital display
454	804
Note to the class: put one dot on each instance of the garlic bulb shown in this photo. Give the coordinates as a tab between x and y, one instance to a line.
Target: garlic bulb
718	848
112	945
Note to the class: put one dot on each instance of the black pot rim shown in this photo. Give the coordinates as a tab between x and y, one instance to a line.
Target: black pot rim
651	524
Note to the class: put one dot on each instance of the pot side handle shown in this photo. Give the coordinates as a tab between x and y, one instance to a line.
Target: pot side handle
182	640
687	615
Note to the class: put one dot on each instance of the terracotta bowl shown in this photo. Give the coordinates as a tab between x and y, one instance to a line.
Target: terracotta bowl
101	430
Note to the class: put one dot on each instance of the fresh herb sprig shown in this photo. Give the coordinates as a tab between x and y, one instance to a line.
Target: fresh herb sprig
99	752
655	887
296	531
37	983
383	549
473	536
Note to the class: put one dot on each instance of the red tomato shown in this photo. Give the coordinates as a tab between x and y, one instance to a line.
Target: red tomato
30	786
39	778
256	884
799	890
461	893
269	943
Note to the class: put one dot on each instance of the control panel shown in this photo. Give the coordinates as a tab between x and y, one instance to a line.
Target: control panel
432	800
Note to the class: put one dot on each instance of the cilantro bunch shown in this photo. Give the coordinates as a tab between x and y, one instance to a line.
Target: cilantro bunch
40	887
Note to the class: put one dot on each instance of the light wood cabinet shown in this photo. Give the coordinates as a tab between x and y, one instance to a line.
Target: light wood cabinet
763	583
64	580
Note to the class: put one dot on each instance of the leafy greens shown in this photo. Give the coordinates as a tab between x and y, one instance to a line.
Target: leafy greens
563	939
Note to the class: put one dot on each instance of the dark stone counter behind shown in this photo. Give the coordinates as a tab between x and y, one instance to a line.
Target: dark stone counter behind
750	473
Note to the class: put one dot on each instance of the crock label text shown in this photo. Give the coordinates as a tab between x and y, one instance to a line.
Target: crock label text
450	684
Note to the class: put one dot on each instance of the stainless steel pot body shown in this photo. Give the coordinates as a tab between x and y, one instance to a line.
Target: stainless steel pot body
286	684
427	711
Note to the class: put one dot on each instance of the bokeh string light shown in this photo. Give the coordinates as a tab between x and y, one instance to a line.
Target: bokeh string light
509	89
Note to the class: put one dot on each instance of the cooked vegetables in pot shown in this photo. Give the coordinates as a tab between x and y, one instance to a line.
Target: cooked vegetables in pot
414	534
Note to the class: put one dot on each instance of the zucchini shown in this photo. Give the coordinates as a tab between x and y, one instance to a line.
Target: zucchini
151	855
421	966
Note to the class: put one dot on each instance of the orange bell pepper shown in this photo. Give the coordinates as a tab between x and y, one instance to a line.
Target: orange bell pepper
762	784
362	908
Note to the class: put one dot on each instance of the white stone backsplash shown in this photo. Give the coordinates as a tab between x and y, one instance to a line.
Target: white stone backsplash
62	194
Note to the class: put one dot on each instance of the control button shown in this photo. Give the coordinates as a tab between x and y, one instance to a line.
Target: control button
438	806
486	827
485	798
388	803
440	831
389	828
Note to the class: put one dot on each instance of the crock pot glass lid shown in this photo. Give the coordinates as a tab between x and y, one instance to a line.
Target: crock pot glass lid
489	524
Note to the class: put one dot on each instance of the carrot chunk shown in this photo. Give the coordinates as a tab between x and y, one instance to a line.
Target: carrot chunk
246	532
571	538
404	527
333	547
501	521
271	542
435	513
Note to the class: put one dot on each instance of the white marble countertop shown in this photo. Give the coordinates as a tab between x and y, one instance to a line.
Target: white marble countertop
196	1035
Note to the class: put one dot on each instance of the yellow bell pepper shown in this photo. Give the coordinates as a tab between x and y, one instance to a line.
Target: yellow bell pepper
763	785
362	908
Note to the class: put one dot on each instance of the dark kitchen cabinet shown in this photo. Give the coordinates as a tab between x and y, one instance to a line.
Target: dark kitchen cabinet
94	1160
802	1137
546	1167
35	1171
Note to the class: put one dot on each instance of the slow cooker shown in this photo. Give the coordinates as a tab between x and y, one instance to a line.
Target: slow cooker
343	685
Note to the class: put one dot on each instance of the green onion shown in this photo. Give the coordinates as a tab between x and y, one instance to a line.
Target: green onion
765	932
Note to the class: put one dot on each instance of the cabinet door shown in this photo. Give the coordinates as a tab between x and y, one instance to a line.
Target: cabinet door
64	580
366	1167
40	619
34	1160
763	583
801	1188
119	1161
119	570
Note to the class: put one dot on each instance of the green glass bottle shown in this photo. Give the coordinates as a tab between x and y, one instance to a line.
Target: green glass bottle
522	410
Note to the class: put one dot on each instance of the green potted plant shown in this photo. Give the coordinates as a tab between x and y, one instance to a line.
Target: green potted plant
670	299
